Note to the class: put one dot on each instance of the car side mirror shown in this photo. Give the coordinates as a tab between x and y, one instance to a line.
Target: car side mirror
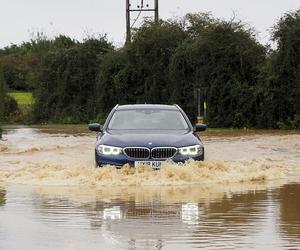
200	127
95	127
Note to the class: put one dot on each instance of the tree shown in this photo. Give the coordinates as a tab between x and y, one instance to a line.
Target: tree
285	83
1	99
224	58
115	81
66	88
150	53
139	72
245	83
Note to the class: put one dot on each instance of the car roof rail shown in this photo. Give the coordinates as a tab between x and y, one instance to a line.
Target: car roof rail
116	106
177	106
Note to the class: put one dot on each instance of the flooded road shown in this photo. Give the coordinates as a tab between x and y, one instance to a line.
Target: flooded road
246	195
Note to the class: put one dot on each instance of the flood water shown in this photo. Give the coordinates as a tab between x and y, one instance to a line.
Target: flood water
246	195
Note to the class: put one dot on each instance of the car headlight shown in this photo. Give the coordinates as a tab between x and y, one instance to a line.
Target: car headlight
109	150
191	150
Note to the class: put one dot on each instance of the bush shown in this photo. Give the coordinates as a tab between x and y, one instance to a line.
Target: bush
290	123
244	83
11	108
66	86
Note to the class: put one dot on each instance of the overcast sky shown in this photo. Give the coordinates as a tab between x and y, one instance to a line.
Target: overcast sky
78	18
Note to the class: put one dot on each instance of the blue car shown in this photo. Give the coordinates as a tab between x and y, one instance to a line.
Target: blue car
147	134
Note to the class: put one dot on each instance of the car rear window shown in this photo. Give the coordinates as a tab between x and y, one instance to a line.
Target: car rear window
148	119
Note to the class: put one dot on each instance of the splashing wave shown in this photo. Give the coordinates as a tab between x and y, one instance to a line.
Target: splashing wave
171	174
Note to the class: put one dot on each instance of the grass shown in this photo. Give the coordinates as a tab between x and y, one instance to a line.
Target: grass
22	98
25	103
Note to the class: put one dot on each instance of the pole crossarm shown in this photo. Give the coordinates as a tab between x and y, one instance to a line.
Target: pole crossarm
139	9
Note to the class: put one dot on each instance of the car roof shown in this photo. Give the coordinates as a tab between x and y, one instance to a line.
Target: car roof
147	106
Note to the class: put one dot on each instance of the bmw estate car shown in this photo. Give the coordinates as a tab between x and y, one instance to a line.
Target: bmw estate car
147	134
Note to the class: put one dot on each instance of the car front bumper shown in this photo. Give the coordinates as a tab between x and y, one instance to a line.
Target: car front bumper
121	160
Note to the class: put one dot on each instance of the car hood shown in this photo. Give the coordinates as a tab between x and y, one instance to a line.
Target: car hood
149	139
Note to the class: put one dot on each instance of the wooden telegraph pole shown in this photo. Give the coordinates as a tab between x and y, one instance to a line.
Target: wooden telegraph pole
156	11
128	29
139	8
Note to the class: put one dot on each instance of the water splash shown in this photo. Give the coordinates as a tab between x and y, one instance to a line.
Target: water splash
170	174
32	157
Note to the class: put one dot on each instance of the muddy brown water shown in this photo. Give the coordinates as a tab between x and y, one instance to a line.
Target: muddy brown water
246	195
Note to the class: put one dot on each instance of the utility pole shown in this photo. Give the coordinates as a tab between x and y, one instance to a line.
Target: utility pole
156	11
139	9
128	29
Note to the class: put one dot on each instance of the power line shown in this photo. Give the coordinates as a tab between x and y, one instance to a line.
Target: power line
142	6
139	8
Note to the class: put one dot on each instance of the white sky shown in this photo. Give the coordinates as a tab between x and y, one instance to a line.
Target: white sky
77	18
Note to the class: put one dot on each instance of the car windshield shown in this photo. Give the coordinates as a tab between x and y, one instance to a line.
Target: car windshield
148	119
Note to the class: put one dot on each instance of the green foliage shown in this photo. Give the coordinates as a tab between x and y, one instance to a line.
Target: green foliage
114	82
19	107
286	69
2	94
22	98
138	73
244	83
222	59
11	108
65	90
150	52
21	63
290	124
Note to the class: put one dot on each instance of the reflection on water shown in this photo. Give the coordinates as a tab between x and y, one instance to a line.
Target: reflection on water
289	199
244	196
129	219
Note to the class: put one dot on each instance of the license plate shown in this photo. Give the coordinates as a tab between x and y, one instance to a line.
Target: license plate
152	164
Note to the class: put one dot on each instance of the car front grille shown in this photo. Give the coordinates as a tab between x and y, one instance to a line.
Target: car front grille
163	153
146	153
137	152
